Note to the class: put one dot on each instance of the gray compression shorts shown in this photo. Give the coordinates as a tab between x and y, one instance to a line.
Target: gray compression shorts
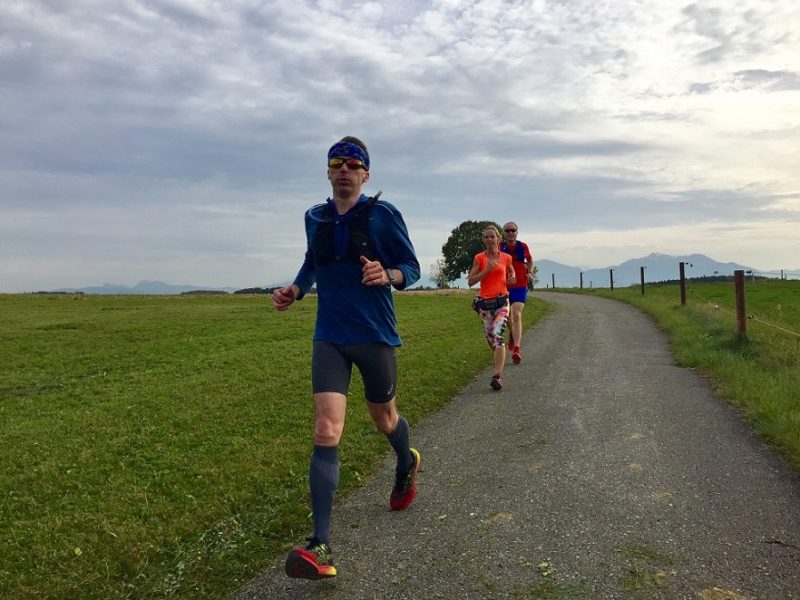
332	366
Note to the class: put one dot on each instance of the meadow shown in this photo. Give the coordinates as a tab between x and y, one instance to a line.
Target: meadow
158	446
758	372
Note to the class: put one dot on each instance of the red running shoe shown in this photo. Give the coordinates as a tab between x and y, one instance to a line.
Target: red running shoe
516	356
405	491
315	561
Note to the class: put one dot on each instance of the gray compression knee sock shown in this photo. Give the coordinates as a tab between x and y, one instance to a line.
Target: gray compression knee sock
323	478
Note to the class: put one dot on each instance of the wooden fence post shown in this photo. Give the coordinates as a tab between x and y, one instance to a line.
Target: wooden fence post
741	317
611	278
683	282
641	277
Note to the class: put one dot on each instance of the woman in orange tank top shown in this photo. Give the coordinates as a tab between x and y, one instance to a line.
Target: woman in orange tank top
493	270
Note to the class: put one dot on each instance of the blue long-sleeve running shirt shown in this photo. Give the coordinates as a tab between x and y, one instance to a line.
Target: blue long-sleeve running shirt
349	312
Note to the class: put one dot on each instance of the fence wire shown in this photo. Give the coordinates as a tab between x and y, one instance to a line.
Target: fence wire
751	316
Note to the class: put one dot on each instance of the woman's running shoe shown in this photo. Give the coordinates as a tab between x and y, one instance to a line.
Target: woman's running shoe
496	383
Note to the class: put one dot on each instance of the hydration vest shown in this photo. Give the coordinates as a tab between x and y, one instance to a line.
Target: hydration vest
518	250
357	245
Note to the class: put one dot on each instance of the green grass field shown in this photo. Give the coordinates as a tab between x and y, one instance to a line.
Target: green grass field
158	446
760	372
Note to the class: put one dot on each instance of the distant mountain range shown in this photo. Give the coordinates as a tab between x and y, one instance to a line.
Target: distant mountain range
147	288
658	267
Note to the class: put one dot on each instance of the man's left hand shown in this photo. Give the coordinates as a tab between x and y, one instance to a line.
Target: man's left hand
373	273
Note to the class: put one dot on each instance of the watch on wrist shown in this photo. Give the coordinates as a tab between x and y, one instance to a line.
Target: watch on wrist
390	276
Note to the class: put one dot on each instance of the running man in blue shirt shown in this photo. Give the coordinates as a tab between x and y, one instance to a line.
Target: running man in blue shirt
357	249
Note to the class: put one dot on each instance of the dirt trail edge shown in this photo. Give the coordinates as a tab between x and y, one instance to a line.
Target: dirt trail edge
601	471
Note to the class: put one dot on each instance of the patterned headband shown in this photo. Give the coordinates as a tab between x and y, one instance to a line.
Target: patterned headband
349	150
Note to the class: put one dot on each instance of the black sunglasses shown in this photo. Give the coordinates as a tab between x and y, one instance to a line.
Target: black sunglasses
510	230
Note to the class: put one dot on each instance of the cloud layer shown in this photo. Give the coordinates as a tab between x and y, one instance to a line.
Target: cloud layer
183	141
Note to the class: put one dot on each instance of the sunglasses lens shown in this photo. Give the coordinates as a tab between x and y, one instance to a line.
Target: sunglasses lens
352	163
510	230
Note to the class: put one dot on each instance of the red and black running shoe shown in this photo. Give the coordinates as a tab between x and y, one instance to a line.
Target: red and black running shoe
405	490
315	561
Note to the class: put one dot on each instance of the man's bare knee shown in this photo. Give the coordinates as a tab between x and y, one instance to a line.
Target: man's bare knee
327	433
384	416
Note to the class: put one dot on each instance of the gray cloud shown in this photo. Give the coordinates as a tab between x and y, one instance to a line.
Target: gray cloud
772	80
701	88
189	129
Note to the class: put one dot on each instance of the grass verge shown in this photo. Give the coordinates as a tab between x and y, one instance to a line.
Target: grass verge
158	446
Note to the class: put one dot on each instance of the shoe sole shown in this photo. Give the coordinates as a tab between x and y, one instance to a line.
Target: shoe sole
413	491
516	358
299	566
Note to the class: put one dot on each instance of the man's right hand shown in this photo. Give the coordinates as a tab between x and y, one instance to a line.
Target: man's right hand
283	298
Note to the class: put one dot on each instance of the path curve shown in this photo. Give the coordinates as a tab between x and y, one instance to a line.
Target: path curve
601	471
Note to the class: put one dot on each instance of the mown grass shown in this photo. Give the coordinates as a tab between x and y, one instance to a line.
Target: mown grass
758	372
158	446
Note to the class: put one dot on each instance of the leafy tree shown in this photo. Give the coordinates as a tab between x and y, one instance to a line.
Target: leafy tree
438	275
462	246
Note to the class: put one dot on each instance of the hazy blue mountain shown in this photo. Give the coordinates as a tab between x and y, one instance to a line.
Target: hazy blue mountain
563	275
150	288
658	267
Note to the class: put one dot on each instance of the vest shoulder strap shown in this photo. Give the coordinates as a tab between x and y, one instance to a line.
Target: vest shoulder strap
519	251
357	244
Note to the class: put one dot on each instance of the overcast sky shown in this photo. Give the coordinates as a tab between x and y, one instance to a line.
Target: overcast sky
182	140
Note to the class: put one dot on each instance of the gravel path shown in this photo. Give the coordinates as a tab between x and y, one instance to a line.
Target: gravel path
601	471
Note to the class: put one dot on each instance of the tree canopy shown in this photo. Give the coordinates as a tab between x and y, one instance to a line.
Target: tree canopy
462	246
